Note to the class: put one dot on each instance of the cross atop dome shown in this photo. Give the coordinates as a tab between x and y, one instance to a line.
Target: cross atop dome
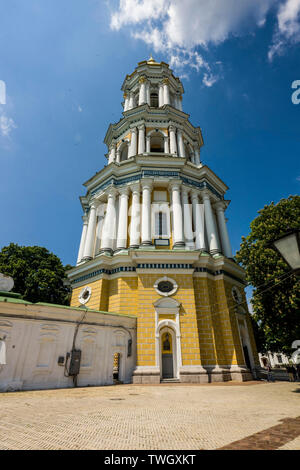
152	61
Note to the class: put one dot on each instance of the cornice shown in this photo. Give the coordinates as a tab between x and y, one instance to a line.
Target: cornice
162	168
161	117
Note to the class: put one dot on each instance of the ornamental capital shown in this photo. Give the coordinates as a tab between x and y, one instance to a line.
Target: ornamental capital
194	194
174	185
205	194
220	206
185	190
135	188
111	192
124	191
94	204
166	81
142	79
147	183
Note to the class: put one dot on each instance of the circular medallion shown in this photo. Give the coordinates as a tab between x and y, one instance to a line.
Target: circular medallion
165	286
236	294
85	295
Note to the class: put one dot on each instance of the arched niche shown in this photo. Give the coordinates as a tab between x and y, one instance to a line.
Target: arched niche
123	149
164	308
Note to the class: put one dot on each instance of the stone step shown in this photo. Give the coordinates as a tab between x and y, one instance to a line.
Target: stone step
169	381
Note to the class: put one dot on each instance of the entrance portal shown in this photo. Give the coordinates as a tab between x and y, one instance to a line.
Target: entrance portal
167	356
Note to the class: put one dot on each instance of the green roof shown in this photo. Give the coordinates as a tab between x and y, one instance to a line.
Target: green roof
12	297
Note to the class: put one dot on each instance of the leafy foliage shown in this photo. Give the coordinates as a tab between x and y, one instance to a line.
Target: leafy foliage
276	292
38	274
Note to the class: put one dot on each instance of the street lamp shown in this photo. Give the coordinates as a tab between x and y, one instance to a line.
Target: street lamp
288	246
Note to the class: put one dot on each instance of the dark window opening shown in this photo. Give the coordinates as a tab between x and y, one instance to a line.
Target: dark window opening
161	224
154	100
124	153
157	144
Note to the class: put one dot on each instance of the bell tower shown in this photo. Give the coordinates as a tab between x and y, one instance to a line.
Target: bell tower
155	243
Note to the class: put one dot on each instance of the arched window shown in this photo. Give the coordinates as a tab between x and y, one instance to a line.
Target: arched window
157	143
124	152
154	100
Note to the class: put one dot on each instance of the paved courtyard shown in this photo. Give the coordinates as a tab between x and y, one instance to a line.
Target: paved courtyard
177	416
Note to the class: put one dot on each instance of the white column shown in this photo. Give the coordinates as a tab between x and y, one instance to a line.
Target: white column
148	93
123	219
166	144
131	101
198	216
211	229
173	145
148	144
133	143
142	92
135	223
225	242
181	149
160	95
90	235
141	148
82	239
197	156
178	238
180	102
126	104
166	91
109	228
187	219
146	212
118	155
112	153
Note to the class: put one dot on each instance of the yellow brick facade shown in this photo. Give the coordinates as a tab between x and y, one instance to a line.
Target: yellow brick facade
208	324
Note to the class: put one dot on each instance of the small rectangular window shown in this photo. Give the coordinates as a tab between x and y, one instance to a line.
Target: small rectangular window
161	224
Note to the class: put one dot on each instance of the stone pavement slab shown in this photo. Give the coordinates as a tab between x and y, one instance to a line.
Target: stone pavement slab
161	417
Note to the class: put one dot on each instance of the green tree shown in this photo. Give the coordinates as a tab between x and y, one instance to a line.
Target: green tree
38	274
276	294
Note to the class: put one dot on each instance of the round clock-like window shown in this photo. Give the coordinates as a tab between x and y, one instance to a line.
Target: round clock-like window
165	286
236	294
85	295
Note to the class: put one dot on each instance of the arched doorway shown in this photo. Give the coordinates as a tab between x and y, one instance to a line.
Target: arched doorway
167	359
167	347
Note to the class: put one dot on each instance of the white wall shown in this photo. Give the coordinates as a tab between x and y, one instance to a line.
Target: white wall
38	334
273	359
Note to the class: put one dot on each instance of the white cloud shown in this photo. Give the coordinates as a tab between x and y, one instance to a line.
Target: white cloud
177	27
7	124
288	28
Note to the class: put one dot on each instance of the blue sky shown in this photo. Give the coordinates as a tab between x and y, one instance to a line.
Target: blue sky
64	61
